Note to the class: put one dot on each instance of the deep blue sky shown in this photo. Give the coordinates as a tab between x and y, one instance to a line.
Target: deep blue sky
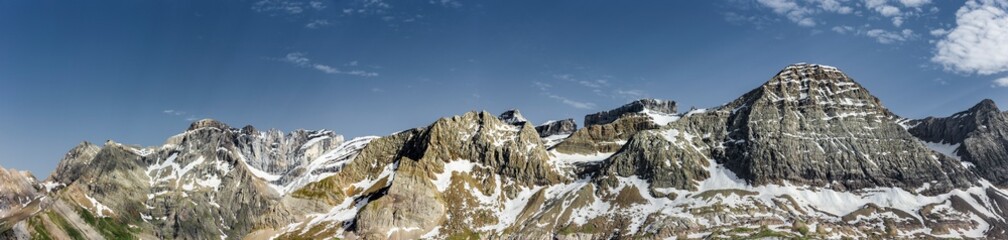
139	71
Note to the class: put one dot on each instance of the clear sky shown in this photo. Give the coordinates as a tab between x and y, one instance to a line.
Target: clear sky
138	71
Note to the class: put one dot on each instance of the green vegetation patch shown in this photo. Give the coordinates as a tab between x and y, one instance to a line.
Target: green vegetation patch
108	227
65	225
40	232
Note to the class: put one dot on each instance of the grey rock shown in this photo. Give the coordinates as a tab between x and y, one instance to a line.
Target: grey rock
812	124
513	117
661	106
561	127
981	134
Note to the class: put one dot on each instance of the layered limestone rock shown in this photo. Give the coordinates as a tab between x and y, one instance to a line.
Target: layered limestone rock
73	163
813	125
212	181
808	155
404	178
655	105
19	196
605	138
978	136
513	117
561	127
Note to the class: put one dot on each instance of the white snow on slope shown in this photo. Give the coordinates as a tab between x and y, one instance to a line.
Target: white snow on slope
329	163
99	208
944	148
443	180
660	118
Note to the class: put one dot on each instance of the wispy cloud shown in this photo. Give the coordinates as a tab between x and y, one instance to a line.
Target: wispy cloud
180	114
811	14
301	60
317	23
887	37
447	3
289	7
979	42
880	35
545	89
572	103
1001	82
173	112
595	84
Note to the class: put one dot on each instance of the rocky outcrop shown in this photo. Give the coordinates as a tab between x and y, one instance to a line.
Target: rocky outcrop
605	138
978	135
561	127
513	117
813	125
810	154
605	117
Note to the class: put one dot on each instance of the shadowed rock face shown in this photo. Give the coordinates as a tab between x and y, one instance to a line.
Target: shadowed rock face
811	124
661	106
808	154
979	135
562	127
513	117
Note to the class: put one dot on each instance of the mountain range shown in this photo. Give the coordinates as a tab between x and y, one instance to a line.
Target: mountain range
809	154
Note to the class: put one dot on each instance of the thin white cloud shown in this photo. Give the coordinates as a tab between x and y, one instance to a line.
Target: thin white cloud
447	3
915	3
180	114
807	13
317	23
594	84
979	42
544	89
631	94
887	37
843	29
173	112
301	60
792	10
289	7
572	103
1001	82
939	32
317	5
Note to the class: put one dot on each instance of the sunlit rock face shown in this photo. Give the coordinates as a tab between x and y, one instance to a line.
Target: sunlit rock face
808	154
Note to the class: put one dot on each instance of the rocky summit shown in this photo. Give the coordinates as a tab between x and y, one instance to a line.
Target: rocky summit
808	154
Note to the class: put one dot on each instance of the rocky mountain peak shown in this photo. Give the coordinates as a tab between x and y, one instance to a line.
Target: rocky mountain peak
249	130
810	108
978	135
204	123
639	106
816	85
561	127
985	106
513	117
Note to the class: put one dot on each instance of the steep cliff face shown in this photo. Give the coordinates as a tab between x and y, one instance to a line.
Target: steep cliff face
560	127
813	125
978	136
19	197
640	106
808	154
414	180
211	181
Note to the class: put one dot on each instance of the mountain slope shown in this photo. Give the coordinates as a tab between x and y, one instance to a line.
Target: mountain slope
808	154
979	136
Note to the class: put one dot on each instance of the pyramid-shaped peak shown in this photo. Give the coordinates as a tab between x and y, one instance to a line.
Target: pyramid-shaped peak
803	72
512	116
985	105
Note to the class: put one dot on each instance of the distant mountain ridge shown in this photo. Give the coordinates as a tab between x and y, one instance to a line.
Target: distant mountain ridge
809	153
